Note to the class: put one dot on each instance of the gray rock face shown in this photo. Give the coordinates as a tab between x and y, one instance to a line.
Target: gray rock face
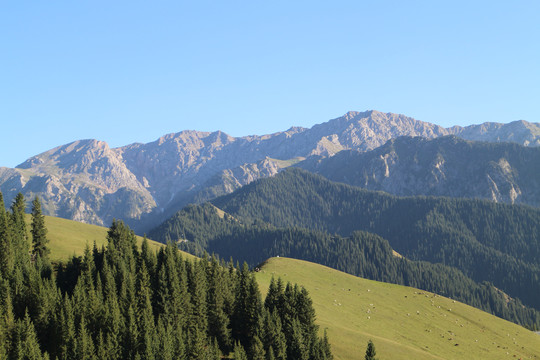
84	181
139	183
520	132
445	166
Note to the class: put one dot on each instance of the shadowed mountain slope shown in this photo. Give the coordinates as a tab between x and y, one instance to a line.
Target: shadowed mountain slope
445	166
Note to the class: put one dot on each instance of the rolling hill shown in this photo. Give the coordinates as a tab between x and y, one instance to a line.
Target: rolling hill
68	238
354	310
200	228
403	322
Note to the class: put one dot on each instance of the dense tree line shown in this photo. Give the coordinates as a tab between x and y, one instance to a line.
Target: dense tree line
363	254
498	243
126	302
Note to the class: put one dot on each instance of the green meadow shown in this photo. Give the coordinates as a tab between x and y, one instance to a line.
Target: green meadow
403	322
68	237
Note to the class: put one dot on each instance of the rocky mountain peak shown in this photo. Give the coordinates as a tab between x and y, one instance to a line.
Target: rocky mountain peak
88	181
78	152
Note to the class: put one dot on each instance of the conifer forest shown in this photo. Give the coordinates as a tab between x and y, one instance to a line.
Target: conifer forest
122	301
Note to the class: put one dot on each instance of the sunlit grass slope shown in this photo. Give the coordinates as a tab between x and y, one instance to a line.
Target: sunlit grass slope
403	322
68	237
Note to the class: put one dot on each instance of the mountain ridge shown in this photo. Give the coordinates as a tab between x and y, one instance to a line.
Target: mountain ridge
88	181
444	166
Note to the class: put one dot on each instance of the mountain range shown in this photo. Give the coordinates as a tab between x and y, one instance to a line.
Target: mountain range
88	181
445	166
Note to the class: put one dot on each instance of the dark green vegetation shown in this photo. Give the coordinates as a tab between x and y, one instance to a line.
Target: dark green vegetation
119	302
370	351
464	249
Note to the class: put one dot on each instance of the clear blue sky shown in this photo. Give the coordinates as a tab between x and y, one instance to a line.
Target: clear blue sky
131	71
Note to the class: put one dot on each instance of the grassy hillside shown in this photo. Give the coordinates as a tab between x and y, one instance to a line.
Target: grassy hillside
403	322
496	243
68	237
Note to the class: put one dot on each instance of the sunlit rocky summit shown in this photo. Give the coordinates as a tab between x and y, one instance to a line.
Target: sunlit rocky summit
90	182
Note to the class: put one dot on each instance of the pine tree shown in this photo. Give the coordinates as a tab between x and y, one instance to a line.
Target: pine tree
19	235
197	344
306	316
69	336
248	308
239	352
212	351
6	246
296	348
198	289
270	354
370	351
165	346
39	231
274	338
325	345
272	298
145	317
171	297
131	335
3	344
85	345
256	350
218	320
7	319
112	318
148	257
27	346
101	350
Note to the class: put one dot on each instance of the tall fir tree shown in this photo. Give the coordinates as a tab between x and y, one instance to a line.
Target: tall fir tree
69	334
85	348
19	234
6	246
239	352
7	318
165	344
296	347
27	346
274	338
218	294
256	350
145	317
248	308
39	231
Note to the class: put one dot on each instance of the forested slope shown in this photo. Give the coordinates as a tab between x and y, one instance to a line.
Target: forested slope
206	228
491	242
123	301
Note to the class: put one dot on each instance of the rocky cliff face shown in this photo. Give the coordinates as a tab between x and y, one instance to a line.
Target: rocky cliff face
140	183
446	166
84	181
520	132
